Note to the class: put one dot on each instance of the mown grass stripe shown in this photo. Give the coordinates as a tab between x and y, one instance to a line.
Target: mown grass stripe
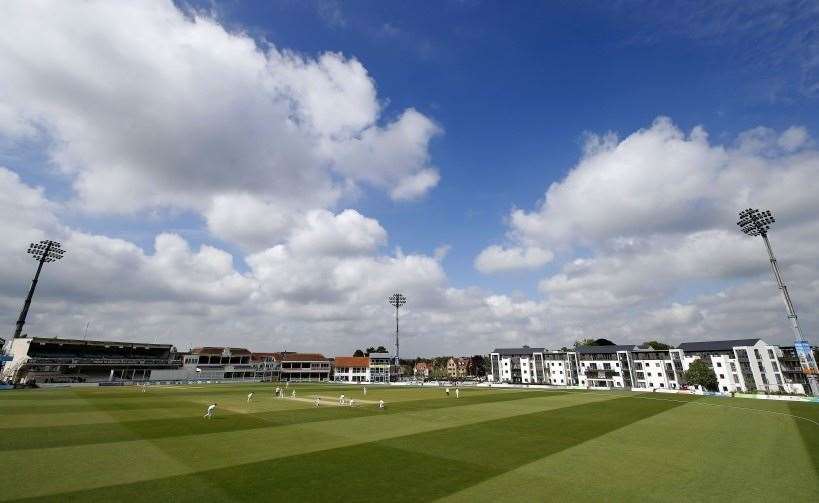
55	436
415	467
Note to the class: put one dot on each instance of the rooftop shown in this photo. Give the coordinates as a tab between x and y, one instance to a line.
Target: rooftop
716	345
352	361
304	357
83	342
524	350
604	349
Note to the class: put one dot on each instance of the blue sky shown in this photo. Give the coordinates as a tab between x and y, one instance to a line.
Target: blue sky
516	85
667	108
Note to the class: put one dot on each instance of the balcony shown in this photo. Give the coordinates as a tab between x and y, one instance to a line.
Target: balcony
601	373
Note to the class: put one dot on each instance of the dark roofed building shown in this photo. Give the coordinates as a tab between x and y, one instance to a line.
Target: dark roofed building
604	349
715	346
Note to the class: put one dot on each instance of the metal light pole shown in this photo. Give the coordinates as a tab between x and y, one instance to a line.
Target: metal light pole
754	222
44	251
397	300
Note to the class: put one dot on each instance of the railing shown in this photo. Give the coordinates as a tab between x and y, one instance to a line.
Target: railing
98	361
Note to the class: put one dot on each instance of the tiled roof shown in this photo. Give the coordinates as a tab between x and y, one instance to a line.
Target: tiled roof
304	357
352	361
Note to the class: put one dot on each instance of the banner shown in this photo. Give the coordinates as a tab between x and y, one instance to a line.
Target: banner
806	359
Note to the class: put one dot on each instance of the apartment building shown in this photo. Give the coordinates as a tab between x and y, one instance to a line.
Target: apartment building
740	365
560	368
523	365
604	366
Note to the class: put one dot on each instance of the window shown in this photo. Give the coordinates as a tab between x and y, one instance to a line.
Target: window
736	379
648	374
725	388
722	376
719	364
771	354
662	385
657	364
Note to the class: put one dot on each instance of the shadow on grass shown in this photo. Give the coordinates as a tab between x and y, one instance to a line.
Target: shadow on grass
808	430
82	434
418	467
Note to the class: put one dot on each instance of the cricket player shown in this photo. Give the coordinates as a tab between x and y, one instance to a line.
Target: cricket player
316	402
250	397
381	404
365	391
341	400
278	391
352	402
211	410
447	392
457	393
293	394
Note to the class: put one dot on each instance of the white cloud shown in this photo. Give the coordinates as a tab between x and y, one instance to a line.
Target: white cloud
498	259
652	218
146	107
323	288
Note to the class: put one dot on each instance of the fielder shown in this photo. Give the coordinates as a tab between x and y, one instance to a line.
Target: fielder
381	404
250	397
447	392
457	393
211	410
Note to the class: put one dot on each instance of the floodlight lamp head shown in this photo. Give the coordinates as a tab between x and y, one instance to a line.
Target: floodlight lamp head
754	222
397	300
46	250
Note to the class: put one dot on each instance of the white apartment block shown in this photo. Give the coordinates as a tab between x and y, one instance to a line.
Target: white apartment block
741	365
522	365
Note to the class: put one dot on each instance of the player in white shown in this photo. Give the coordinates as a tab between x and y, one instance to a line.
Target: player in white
447	392
211	410
250	397
341	400
365	391
144	387
457	393
278	391
352	402
316	402
381	404
293	394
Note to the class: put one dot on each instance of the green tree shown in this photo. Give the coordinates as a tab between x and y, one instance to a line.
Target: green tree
370	349
584	342
700	373
660	346
358	352
381	349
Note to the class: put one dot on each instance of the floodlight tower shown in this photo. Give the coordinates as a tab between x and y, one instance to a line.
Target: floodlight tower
42	252
754	222
397	300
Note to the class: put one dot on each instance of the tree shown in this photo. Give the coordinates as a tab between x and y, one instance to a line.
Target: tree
700	373
381	349
370	349
358	352
593	342
479	365
660	346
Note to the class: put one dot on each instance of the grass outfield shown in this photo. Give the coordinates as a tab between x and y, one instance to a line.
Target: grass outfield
118	444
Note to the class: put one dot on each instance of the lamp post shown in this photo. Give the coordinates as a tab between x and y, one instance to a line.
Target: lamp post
42	252
397	300
754	222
